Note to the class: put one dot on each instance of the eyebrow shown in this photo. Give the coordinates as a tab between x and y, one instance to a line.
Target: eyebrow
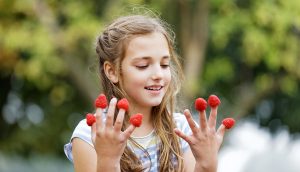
147	58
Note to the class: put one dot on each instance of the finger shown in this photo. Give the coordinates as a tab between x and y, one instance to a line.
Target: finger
93	133
119	120
190	121
203	120
213	117
110	113
221	130
98	119
128	131
182	135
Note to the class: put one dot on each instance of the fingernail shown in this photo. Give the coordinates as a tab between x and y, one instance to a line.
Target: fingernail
113	100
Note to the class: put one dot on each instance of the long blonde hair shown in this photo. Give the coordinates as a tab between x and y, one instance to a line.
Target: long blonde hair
111	46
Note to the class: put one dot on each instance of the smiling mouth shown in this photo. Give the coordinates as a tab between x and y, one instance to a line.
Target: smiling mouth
154	88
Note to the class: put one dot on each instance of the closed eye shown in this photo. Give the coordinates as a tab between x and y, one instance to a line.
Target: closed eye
165	66
142	67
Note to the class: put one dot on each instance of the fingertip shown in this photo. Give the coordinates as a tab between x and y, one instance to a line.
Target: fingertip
223	127
113	100
186	112
176	130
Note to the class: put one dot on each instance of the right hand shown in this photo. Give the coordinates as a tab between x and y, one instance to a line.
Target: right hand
108	139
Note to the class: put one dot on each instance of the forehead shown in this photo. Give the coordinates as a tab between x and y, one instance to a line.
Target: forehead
149	45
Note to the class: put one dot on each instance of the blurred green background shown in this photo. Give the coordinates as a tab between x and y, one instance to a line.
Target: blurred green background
245	51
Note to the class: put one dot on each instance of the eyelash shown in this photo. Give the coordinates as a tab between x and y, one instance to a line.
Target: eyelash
165	66
144	67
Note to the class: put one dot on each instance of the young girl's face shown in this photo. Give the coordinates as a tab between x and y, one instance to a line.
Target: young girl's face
145	70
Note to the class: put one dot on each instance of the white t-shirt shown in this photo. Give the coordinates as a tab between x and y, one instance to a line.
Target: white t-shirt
149	142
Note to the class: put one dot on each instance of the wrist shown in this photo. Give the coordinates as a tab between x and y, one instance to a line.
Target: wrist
205	167
108	164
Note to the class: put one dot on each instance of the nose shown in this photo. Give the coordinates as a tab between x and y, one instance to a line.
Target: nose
157	72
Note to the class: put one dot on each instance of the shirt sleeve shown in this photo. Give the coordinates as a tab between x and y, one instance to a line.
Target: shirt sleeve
82	131
183	126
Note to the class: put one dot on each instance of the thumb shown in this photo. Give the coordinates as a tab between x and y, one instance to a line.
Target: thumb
221	131
129	131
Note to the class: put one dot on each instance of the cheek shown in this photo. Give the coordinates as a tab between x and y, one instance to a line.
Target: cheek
132	79
168	77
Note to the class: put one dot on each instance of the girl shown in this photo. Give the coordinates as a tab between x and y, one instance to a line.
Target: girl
137	61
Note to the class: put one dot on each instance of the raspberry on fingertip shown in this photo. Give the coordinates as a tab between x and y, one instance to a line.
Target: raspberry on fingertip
228	122
200	104
213	101
101	101
136	119
90	119
123	104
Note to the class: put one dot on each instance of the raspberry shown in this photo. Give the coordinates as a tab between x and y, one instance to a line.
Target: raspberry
123	104
90	119
136	119
213	101
228	122
101	101
200	104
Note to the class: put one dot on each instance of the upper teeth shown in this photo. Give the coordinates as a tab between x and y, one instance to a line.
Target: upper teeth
153	88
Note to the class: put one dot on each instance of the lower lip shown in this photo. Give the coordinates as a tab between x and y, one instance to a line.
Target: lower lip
154	92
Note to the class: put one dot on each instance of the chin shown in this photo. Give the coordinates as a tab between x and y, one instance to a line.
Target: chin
156	103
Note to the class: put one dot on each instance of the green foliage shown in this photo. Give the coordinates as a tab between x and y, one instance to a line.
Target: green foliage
47	59
261	42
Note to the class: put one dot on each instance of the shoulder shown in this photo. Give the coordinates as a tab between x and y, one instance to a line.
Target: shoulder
178	117
183	126
82	131
180	120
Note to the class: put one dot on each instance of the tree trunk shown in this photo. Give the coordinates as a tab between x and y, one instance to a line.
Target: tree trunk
193	34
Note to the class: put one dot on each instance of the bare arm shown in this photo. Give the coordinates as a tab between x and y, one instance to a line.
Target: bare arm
84	156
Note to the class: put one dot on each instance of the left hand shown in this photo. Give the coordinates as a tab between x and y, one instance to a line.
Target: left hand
205	140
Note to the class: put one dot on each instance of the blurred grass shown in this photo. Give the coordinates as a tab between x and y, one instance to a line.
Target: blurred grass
34	163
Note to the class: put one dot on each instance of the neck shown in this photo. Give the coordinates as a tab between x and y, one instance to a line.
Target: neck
147	125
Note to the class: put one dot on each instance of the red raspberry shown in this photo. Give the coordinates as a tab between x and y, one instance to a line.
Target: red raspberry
228	122
200	104
136	119
213	101
90	119
101	101
123	104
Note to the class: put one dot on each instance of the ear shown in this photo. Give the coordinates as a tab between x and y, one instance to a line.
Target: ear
110	72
